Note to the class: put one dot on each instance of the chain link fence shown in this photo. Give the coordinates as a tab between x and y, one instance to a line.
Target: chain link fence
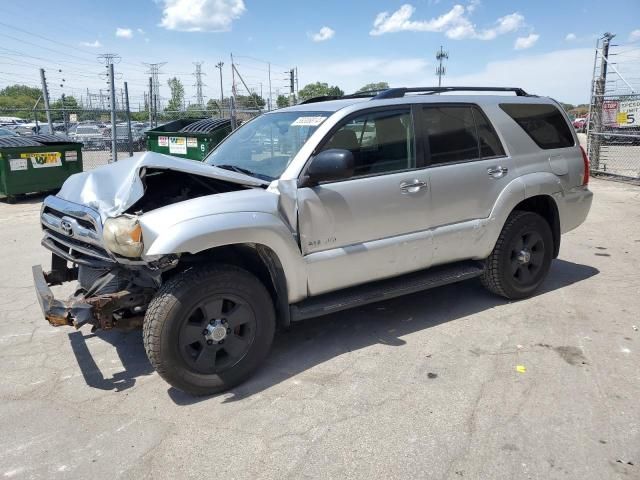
613	124
93	128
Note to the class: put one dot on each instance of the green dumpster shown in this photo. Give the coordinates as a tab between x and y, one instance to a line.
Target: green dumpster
192	138
37	163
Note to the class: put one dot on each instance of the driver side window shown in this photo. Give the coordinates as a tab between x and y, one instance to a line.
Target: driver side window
380	142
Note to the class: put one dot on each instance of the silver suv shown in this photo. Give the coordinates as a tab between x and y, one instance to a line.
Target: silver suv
311	209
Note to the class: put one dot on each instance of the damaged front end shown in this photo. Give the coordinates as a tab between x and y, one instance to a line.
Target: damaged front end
113	300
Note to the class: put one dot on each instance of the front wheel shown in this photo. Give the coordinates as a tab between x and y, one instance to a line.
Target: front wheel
520	261
208	329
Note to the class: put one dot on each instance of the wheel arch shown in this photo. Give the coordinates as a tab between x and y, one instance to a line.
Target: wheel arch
545	206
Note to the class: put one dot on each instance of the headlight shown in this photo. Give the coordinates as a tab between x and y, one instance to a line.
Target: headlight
123	236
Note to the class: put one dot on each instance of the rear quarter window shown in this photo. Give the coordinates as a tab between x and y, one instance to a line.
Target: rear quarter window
542	122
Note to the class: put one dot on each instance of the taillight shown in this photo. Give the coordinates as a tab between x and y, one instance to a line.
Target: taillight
585	159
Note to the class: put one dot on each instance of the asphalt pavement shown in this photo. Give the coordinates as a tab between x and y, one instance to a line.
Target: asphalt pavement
453	383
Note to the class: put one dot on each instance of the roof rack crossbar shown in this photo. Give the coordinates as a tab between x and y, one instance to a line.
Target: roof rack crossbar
401	92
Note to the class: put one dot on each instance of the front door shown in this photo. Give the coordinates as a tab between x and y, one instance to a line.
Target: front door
373	225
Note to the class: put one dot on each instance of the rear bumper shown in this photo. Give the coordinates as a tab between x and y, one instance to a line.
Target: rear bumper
574	207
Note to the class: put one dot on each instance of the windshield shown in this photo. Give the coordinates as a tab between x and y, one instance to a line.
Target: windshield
265	146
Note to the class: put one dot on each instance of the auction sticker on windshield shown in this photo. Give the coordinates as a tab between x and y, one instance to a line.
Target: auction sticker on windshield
44	159
308	121
178	145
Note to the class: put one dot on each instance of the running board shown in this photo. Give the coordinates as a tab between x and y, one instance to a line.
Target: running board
385	289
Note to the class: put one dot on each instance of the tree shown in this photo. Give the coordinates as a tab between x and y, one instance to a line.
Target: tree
282	101
319	89
70	106
177	94
19	97
374	86
250	101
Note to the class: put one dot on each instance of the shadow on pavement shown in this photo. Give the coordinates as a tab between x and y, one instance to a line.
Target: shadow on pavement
130	349
312	342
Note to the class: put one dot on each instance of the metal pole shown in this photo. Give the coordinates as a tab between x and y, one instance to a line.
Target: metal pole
270	95
219	66
128	112
64	117
45	97
112	86
149	102
232	104
601	83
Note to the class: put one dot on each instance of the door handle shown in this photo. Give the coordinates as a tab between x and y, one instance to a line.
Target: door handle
412	186
497	172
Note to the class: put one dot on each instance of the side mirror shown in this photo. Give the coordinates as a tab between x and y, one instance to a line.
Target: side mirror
332	164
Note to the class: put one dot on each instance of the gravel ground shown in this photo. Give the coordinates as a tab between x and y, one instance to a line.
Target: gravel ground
426	386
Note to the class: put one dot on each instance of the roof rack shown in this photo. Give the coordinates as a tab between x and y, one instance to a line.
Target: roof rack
400	92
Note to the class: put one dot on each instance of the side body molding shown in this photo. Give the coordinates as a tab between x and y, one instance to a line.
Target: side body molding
210	231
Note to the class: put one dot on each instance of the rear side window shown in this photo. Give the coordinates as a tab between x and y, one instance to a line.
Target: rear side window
459	133
542	122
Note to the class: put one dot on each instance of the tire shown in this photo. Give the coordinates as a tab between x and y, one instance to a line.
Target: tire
209	328
521	258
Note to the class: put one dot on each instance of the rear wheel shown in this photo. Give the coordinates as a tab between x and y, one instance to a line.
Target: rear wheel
520	261
208	329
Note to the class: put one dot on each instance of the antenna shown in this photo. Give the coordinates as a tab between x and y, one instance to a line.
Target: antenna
441	70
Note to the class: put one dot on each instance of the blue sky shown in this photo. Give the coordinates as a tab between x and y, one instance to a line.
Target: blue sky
544	46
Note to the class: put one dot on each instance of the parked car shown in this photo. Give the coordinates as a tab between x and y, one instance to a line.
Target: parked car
374	198
122	138
580	124
5	132
90	137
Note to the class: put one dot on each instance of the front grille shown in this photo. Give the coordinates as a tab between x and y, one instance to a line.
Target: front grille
73	232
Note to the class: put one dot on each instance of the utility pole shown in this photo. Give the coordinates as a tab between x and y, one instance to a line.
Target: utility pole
128	113
595	140
270	94
441	69
292	97
45	97
154	71
232	106
219	66
198	74
114	143
64	116
150	104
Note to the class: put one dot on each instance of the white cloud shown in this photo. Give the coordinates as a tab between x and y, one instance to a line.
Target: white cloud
124	33
455	23
201	15
570	37
526	42
325	33
95	44
634	35
140	31
569	82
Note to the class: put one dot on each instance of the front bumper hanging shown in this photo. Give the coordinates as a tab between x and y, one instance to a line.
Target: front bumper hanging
96	310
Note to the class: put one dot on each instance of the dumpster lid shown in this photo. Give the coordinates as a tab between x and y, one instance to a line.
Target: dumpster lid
48	139
206	125
13	142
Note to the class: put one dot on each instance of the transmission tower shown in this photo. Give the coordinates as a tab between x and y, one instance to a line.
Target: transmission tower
154	71
198	74
441	69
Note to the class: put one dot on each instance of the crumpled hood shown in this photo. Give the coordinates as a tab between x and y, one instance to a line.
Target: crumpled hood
112	189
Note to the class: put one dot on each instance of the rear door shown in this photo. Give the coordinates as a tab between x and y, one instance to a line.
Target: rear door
468	168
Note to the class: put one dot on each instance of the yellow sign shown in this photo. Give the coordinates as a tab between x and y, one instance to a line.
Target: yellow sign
621	118
43	159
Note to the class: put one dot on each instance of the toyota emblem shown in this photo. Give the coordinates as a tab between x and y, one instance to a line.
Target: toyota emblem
67	228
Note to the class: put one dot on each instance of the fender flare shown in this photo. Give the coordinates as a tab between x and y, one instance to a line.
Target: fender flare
203	233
